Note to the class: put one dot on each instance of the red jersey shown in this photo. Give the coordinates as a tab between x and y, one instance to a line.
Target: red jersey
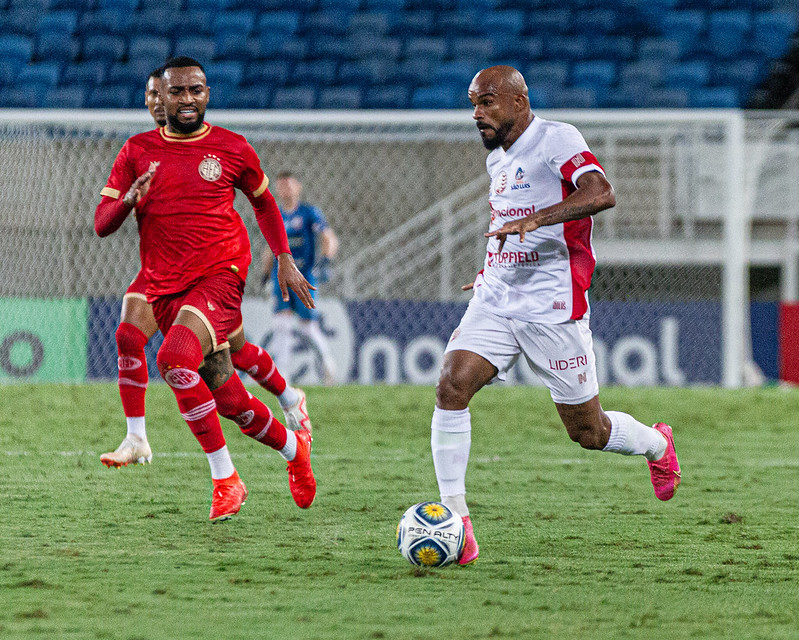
187	224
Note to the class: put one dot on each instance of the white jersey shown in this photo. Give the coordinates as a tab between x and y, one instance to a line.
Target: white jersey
546	277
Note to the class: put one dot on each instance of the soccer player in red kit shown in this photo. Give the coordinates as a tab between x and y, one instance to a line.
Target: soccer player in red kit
195	255
137	325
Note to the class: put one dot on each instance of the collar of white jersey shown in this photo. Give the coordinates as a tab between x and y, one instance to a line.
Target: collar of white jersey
527	135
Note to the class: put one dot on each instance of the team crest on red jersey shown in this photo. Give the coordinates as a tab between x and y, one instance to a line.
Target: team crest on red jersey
210	168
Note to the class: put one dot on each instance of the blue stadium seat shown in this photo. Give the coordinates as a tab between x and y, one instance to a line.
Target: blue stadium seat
329	47
772	31
595	21
481	5
199	48
472	48
314	72
54	46
455	73
294	49
110	97
427	48
413	24
687	75
572	98
375	22
684	27
649	73
282	22
84	73
415	71
106	22
727	31
23	22
193	24
509	22
122	5
743	72
172	6
347	5
549	22
433	5
303	6
384	5
37	5
618	48
46	74
577	47
267	73
714	97
459	23
65	97
593	74
155	22
529	47
340	98
294	98
363	73
551	73
364	46
132	74
60	22
16	48
240	23
101	47
332	22
217	5
78	5
665	99
658	49
21	98
253	97
151	47
221	94
443	97
224	73
387	97
272	43
229	46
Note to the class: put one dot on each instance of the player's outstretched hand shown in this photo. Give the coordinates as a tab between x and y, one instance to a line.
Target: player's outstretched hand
140	186
514	227
468	287
290	277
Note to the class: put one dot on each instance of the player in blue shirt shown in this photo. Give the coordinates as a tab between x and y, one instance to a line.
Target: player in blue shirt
304	223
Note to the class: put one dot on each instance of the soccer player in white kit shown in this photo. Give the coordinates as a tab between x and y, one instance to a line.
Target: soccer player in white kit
531	296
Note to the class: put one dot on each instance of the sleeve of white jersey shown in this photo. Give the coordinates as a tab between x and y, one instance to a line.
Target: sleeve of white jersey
568	154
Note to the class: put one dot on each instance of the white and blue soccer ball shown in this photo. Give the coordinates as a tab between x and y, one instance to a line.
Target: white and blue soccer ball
430	535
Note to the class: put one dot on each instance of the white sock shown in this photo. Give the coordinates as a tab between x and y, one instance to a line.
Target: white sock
136	427
288	397
221	464
450	440
290	449
313	330
281	345
631	438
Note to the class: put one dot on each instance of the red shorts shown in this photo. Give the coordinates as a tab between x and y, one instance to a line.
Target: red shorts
138	287
216	300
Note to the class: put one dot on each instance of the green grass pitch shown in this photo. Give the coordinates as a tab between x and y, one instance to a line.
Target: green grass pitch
573	543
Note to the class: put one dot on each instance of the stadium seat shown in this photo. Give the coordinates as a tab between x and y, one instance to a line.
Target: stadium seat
684	27
743	72
281	22
16	48
426	48
21	22
658	49
618	48
570	98
329	48
550	73
414	24
106	22
254	97
21	97
230	46
78	5
415	71
154	23
46	74
455	73
365	46
432	5
347	5
771	33
593	74
267	73
384	5
332	22
363	73
314	72
442	97
132	73
60	22
480	5
453	24
172	6
38	5
687	75
665	99
726	33
339	98
199	48
510	22
224	73
84	73
595	21
54	46
65	98
122	5
714	97
271	43
294	49
472	48
101	47
218	5
239	23
530	47
294	98
375	22
194	24
221	94
648	73
387	97
577	47
110	97
151	47
549	22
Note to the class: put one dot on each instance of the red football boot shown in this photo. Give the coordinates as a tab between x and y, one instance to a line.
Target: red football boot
301	480
228	496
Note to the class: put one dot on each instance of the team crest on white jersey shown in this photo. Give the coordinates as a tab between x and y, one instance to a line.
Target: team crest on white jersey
210	168
501	183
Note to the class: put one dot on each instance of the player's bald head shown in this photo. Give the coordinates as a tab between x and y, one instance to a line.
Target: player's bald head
499	79
501	105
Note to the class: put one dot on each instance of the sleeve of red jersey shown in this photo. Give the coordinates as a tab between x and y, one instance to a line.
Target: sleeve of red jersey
255	185
111	212
569	155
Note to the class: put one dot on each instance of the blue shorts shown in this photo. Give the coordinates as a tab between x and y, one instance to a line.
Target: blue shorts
294	304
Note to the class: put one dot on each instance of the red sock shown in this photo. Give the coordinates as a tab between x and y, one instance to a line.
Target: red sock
253	416
132	364
259	364
179	358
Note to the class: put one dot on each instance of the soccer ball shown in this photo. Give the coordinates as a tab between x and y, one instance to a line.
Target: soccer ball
430	535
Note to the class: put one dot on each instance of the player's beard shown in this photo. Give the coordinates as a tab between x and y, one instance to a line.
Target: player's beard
185	127
500	135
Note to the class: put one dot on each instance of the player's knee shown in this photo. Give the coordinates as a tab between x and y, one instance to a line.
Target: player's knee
180	351
452	392
586	436
129	338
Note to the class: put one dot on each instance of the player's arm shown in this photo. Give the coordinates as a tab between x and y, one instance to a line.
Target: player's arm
112	210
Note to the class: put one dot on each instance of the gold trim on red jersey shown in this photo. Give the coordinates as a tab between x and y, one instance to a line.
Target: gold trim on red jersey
262	187
185	137
111	193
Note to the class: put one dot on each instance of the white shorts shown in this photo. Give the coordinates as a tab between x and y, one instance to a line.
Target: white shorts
562	355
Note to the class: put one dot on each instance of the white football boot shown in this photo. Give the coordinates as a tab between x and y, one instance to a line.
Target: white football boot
133	450
297	414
